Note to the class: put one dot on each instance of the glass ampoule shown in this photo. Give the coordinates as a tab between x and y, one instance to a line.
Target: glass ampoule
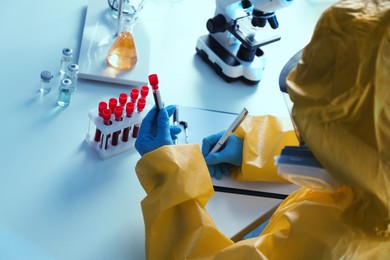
72	74
64	93
123	54
45	85
66	59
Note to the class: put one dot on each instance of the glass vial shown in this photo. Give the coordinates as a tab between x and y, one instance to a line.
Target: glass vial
123	54
46	76
67	56
72	74
64	93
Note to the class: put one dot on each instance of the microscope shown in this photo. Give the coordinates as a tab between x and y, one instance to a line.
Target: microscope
236	33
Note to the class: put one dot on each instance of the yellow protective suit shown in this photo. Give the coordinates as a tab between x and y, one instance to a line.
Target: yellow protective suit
341	95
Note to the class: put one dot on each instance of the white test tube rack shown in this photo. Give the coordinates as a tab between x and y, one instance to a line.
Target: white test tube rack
104	147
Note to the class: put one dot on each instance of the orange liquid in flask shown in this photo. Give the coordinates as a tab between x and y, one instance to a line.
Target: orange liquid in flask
123	54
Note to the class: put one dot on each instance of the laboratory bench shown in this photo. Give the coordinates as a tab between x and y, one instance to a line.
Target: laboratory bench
58	199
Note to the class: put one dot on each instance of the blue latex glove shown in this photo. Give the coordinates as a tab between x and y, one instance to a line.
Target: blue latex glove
156	131
230	153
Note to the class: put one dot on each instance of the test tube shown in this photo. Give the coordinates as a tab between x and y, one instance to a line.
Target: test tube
153	80
141	104
122	99
129	112
98	133
144	91
134	95
135	131
112	103
118	112
107	121
129	109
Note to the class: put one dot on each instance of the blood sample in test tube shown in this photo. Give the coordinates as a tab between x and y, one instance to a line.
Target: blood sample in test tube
144	91
126	130
134	95
141	104
118	113
107	121
112	103
122	99
129	109
135	131
153	80
98	133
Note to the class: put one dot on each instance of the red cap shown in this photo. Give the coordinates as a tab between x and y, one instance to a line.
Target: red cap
141	104
134	94
153	80
112	103
144	91
122	99
129	108
102	106
118	112
106	114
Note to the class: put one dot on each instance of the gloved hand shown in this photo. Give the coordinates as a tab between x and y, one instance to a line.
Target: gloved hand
156	131
230	153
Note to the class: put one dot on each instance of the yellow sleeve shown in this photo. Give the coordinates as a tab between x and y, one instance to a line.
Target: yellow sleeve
178	186
264	138
177	226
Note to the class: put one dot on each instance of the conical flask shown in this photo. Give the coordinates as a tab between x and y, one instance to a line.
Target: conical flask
123	54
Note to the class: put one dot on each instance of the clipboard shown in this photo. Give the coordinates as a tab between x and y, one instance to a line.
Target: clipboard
205	122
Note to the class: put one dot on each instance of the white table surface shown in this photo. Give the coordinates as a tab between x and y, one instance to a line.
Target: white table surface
58	200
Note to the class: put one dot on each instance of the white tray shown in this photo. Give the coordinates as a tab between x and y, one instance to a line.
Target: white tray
98	37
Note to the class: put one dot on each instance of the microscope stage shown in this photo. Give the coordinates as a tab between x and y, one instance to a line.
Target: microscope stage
227	65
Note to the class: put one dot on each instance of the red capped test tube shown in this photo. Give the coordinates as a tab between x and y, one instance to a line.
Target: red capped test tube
135	131
118	113
112	103
134	95
107	121
153	80
98	133
129	109
122	99
129	113
144	91
141	103
106	114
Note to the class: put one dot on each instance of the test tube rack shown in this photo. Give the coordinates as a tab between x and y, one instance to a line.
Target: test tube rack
125	130
104	147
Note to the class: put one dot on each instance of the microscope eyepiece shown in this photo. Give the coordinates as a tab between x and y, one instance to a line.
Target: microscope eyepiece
246	4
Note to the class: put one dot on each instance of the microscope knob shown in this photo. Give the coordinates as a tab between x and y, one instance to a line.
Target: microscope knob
216	24
246	54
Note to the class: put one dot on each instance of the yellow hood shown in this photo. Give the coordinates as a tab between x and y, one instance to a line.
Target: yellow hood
341	95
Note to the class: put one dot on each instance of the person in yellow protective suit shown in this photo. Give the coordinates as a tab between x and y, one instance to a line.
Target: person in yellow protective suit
341	94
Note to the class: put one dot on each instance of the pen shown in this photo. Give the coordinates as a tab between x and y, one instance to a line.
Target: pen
185	126
176	120
230	130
